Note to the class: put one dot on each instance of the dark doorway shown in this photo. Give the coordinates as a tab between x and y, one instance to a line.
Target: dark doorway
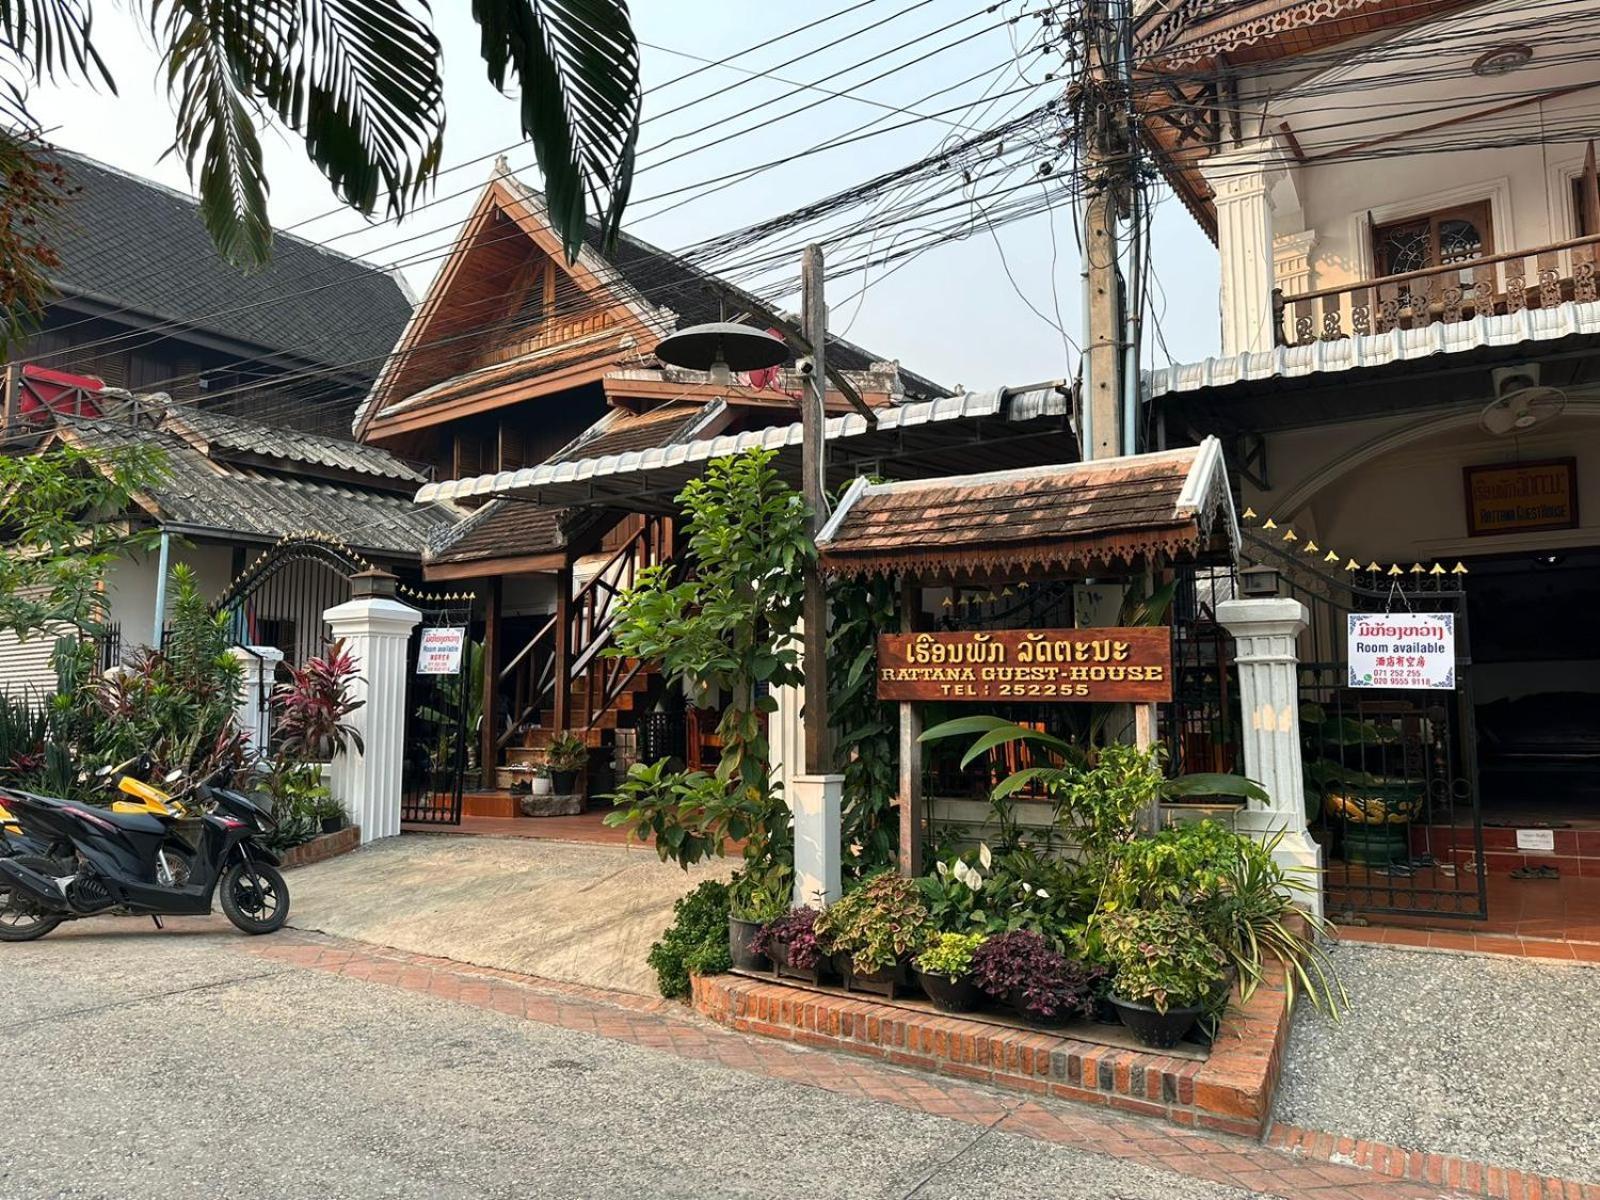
1536	674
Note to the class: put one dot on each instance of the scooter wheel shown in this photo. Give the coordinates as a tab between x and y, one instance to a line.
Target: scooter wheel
255	897
20	921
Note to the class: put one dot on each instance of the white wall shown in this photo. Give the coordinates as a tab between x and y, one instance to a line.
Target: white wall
131	586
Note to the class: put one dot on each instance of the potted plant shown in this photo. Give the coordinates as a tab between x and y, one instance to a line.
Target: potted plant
755	898
944	969
330	814
566	755
1039	983
1167	970
790	943
873	930
538	779
314	705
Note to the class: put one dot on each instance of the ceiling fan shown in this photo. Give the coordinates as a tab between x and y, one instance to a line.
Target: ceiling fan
1520	404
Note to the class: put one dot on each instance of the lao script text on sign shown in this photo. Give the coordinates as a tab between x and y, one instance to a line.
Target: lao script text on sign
1402	650
1522	497
440	652
1119	665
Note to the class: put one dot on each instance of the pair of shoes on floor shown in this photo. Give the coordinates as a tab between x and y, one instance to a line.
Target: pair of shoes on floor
1540	872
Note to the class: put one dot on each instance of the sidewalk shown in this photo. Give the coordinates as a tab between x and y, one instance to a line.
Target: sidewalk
1307	1170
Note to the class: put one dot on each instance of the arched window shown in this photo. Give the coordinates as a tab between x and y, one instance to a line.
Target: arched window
1438	239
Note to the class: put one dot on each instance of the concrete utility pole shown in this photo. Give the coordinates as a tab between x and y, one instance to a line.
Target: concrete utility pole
1108	162
813	472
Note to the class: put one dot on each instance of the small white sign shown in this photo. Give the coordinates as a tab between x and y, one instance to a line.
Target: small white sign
440	653
1536	839
1402	650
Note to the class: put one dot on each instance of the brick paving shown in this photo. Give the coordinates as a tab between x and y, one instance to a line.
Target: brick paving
1293	1163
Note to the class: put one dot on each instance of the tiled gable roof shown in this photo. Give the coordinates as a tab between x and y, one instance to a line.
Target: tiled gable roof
1073	516
135	244
228	433
200	495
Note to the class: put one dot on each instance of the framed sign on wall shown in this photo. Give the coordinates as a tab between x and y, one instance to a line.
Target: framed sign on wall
1522	497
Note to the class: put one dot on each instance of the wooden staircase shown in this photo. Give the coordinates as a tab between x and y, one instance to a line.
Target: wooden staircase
563	679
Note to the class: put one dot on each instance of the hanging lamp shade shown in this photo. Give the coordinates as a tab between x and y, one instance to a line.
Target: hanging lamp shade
733	347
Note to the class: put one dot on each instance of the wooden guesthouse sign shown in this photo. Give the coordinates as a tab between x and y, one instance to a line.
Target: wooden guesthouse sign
1028	665
1522	497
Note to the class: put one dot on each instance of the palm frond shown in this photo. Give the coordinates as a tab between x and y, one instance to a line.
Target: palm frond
359	79
578	64
53	37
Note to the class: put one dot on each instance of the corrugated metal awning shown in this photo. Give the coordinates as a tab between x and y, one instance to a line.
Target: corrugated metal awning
1379	349
929	438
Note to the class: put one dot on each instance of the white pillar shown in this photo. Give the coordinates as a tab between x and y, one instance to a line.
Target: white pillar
376	629
260	664
1266	633
1242	183
817	802
786	742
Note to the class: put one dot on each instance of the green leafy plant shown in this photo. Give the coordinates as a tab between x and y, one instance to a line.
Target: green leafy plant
298	800
359	81
867	729
950	954
178	704
729	627
567	752
1162	957
696	941
877	924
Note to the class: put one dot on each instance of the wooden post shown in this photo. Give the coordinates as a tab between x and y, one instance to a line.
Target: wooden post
814	609
1144	736
489	749
910	799
13	397
563	665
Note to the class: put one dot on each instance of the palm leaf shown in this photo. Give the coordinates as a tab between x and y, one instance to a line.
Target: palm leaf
52	37
359	79
1215	785
578	64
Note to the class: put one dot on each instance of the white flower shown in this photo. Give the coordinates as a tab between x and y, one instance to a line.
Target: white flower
984	856
1043	895
943	869
1027	889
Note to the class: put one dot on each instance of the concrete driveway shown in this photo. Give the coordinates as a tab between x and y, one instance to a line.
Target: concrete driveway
194	1065
559	910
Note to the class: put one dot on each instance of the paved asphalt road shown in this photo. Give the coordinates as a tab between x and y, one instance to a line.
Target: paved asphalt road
139	1065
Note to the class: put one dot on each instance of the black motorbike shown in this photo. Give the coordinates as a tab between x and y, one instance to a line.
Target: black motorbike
96	861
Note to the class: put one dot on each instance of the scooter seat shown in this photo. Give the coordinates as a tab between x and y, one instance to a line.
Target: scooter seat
133	822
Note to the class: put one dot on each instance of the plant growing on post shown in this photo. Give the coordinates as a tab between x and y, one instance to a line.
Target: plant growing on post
868	728
728	627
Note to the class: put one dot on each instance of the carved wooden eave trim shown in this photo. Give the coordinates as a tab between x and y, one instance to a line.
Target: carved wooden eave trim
1187	37
1104	551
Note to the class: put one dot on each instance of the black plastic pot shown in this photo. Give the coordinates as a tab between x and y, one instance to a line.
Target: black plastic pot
1105	1012
332	824
741	936
1157	1030
563	783
884	982
1019	1006
950	995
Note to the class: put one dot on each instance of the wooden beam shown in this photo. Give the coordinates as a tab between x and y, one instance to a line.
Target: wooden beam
563	664
13	397
910	799
488	743
1590	188
487	568
813	486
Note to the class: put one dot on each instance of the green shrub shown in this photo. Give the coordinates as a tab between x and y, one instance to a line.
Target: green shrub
1162	957
950	954
879	923
696	941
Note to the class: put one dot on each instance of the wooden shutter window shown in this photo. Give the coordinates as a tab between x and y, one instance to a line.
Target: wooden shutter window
1453	235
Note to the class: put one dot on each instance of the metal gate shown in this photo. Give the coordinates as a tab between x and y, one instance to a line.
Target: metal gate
1391	776
439	731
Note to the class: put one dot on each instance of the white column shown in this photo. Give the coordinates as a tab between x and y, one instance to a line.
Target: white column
260	669
786	744
376	629
1242	182
1266	633
817	802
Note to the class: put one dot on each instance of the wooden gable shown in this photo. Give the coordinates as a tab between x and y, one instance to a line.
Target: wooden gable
506	319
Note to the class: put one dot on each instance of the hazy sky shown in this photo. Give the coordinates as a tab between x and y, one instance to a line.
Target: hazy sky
952	314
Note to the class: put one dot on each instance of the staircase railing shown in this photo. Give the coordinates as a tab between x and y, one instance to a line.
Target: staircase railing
564	662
